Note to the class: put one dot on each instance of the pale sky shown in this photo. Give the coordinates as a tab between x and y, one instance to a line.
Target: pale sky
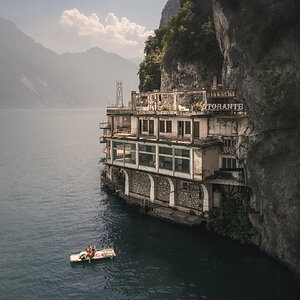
118	26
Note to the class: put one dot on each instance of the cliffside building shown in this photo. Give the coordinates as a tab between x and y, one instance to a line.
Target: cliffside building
177	149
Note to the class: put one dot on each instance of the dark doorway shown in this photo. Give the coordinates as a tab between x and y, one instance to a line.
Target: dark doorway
151	127
196	130
140	127
180	128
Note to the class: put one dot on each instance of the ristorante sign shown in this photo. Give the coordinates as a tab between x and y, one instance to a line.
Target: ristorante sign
224	106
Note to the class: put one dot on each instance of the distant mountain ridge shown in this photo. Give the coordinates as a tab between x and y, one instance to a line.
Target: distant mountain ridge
33	76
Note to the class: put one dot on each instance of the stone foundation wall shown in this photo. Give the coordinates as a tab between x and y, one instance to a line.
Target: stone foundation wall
188	195
162	189
139	183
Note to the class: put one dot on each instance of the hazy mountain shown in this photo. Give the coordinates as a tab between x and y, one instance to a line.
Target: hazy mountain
33	76
99	70
136	60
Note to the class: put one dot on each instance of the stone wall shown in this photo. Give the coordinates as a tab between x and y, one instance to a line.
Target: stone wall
139	183
162	189
188	194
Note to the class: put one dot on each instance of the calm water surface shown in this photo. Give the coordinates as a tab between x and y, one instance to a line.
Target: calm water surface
51	206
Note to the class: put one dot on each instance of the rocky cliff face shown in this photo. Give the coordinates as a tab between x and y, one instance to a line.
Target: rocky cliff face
185	75
260	44
172	7
199	58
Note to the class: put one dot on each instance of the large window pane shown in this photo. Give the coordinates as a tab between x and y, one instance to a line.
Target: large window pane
182	152
130	153
118	151
165	150
165	162
147	148
182	165
147	160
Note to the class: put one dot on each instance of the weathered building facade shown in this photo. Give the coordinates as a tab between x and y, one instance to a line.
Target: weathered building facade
177	149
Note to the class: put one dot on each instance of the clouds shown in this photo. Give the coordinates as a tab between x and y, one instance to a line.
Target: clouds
120	32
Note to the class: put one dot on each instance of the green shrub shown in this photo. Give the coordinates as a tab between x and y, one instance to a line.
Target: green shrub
232	219
189	37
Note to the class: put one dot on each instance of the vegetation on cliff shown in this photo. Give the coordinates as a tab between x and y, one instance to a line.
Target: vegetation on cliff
232	219
188	37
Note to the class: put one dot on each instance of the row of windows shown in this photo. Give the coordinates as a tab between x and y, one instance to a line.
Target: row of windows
229	142
165	126
184	127
172	159
229	163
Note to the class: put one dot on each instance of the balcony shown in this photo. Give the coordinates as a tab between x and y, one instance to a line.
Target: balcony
230	176
119	110
104	125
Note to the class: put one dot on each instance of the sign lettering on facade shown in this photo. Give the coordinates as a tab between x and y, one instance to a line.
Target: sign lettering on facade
221	94
119	93
225	106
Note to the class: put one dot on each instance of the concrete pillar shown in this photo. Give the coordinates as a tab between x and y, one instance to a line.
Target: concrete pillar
126	182
133	100
172	192
111	151
110	174
205	198
192	130
215	82
138	127
175	102
137	155
156	128
157	158
112	126
152	188
192	163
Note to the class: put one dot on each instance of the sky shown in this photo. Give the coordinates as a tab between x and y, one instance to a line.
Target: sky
118	26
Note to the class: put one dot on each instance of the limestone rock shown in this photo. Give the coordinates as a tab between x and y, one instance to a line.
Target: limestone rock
260	44
171	8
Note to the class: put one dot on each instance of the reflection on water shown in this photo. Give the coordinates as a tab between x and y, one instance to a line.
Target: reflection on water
51	206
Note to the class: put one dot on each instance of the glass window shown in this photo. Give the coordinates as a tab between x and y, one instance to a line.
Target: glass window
161	126
229	142
118	151
147	160
187	127
147	148
182	165
224	163
169	126
234	163
145	125
130	153
165	162
229	163
182	152
185	185
165	150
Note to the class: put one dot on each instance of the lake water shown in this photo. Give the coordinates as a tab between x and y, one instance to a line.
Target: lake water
51	206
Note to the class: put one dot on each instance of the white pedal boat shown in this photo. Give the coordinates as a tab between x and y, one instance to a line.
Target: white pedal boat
105	253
